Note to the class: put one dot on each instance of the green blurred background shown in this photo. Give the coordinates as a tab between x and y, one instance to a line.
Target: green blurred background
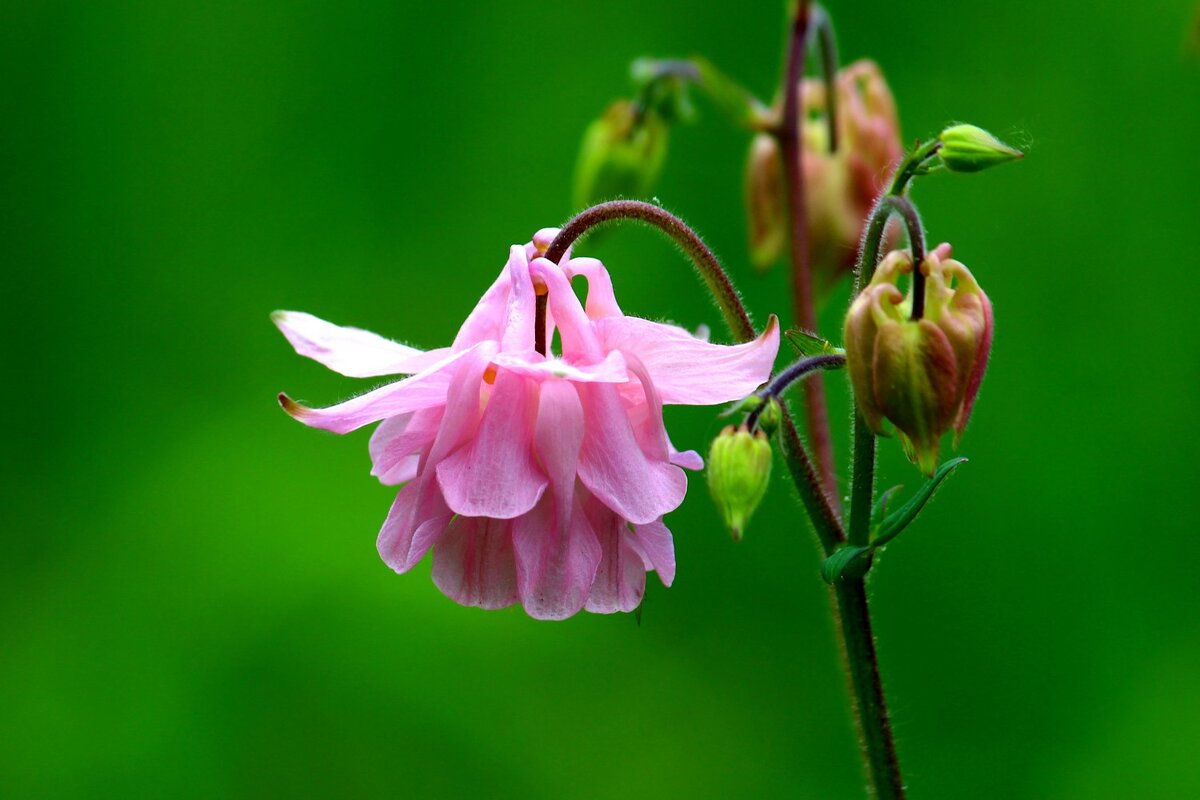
190	599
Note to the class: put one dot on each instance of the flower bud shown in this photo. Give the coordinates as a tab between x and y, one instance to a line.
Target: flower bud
766	203
966	148
739	466
621	155
841	187
920	375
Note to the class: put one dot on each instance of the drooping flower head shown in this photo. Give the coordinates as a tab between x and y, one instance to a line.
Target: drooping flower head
842	187
921	375
534	478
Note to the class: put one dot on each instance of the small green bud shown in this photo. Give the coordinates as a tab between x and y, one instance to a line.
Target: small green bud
622	155
966	148
769	417
739	468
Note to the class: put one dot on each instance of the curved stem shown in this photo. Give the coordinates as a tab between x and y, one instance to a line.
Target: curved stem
822	28
862	486
797	371
711	271
825	519
802	290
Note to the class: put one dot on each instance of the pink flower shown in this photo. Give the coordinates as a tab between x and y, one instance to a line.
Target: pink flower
542	479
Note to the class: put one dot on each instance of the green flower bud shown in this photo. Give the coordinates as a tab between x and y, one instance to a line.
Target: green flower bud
739	467
966	148
621	156
920	375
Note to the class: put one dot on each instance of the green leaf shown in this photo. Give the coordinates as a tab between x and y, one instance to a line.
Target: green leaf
881	506
809	344
846	562
899	520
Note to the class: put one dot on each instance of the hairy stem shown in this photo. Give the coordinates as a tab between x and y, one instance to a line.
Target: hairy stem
825	518
866	688
797	371
802	289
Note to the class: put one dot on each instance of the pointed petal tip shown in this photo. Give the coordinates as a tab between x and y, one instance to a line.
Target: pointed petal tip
291	406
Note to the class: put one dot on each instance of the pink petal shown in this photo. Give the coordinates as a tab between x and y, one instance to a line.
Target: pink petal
423	390
601	301
533	365
690	371
417	518
614	467
688	459
556	549
486	320
495	474
658	548
621	577
646	415
473	563
352	351
520	312
579	342
397	444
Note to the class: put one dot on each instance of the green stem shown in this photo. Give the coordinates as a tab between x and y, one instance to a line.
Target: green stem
862	486
858	643
866	689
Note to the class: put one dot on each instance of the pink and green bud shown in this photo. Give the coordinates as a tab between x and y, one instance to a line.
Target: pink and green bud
966	148
622	154
919	375
841	187
739	469
766	202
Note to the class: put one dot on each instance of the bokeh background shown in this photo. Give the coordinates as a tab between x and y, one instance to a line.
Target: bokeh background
191	604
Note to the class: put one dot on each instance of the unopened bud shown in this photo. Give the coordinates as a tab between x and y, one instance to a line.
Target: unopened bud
621	155
739	468
766	205
966	148
920	375
841	187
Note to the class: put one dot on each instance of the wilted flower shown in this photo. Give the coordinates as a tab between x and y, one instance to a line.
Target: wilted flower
542	479
921	375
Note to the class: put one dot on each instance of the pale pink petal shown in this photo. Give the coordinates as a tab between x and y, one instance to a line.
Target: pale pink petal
601	301
473	563
397	444
495	474
690	371
520	312
575	330
656	544
352	351
688	459
621	577
556	549
417	518
614	467
646	416
486	320
533	365
423	390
